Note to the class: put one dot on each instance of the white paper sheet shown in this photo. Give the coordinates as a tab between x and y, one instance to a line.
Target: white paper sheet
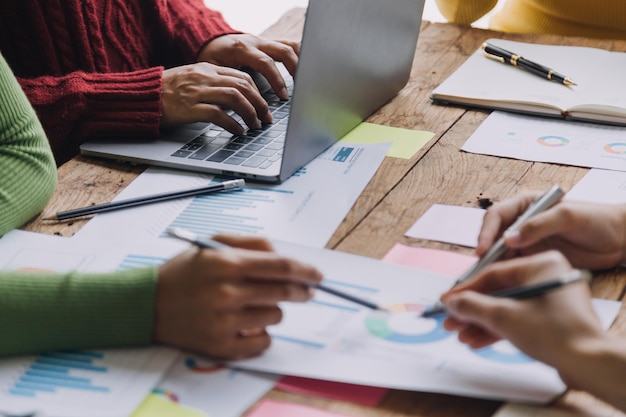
108	382
130	373
306	209
546	140
205	385
600	186
449	224
347	343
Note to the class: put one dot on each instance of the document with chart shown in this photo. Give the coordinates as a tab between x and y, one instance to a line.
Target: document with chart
77	383
329	338
111	382
305	209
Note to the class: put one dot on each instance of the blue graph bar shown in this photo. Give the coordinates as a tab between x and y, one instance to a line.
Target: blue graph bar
330	282
137	261
51	371
70	364
224	212
337	306
299	341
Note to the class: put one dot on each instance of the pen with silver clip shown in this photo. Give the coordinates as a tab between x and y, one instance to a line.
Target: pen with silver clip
527	291
506	57
542	203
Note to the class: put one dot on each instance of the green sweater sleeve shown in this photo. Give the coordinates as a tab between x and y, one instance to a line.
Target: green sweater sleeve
42	311
27	168
50	311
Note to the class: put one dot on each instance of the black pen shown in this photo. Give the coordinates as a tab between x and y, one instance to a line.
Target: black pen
542	203
519	293
507	57
207	243
155	198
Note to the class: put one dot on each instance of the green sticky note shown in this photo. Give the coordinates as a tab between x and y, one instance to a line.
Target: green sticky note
158	406
405	142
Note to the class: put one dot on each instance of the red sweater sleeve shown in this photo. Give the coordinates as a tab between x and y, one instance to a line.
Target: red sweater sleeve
190	24
81	105
108	92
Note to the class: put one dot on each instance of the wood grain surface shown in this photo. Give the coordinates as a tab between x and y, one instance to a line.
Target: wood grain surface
400	192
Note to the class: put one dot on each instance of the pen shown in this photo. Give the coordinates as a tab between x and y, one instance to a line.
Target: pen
155	198
542	203
207	243
519	293
507	57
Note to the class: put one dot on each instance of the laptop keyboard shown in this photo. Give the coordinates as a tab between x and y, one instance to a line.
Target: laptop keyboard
256	148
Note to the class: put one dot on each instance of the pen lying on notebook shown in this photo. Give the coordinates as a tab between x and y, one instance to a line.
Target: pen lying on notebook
206	243
506	57
518	293
155	198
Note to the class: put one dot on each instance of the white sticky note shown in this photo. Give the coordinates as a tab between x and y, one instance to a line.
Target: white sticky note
449	224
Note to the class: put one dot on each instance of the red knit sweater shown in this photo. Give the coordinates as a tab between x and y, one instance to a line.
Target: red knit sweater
93	67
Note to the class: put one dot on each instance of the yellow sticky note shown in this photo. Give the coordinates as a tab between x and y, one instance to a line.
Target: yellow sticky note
405	142
158	406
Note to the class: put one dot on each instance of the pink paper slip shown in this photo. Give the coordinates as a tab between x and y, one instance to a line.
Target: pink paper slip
443	262
271	408
357	394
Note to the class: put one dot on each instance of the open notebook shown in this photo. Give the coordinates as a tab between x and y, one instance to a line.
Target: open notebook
598	97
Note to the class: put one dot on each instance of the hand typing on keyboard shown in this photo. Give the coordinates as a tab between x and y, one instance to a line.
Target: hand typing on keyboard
203	91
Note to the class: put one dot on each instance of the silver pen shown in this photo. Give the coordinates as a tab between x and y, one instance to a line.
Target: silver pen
542	203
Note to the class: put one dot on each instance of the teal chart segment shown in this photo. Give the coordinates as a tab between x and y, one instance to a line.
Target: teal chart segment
395	327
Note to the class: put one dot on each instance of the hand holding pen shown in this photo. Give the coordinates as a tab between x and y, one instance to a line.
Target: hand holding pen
538	205
507	57
536	325
207	243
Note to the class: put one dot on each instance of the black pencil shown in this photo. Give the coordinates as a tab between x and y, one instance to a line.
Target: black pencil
191	237
155	198
519	293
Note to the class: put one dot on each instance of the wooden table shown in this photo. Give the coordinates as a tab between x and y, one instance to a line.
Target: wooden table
400	192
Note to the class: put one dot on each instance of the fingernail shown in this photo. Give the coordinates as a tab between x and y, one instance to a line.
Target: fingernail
512	236
284	93
257	124
451	304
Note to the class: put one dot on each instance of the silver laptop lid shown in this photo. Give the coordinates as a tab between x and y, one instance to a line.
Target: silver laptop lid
357	55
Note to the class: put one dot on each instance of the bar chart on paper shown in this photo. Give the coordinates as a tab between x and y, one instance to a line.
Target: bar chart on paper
236	212
306	209
80	382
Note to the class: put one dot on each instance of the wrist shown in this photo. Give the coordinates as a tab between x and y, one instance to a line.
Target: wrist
623	221
588	364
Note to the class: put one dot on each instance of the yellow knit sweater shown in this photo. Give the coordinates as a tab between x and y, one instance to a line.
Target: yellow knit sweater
588	18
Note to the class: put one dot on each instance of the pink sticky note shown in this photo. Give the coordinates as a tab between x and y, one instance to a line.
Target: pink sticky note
442	262
271	408
358	394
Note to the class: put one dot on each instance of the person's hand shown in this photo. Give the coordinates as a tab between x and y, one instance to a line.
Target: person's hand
589	235
254	52
199	93
550	327
218	303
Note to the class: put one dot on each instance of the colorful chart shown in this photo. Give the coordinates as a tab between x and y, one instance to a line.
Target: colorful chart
195	366
404	326
503	352
553	141
166	394
616	148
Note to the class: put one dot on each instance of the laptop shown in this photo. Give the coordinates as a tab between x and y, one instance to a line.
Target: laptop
355	56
